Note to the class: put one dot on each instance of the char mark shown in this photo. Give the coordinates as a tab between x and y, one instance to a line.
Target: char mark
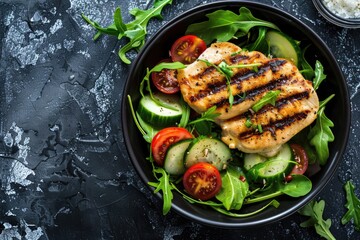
274	126
243	75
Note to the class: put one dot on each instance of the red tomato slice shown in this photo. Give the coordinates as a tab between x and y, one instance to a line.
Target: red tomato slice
301	159
164	138
187	49
202	181
166	80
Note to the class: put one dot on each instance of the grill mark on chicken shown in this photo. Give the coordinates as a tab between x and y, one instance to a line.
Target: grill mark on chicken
274	126
243	75
282	102
296	106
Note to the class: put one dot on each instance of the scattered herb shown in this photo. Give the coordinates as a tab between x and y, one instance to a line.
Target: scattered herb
320	134
163	185
223	25
248	123
209	115
307	70
227	75
353	206
186	114
205	123
135	30
226	70
315	210
319	75
260	43
269	98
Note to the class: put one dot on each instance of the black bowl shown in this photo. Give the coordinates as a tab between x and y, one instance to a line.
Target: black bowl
338	109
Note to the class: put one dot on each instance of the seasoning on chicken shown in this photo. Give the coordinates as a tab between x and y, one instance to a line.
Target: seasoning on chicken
296	107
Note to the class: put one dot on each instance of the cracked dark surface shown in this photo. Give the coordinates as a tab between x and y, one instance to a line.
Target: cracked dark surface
65	172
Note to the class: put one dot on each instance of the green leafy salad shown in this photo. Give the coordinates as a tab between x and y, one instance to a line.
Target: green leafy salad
186	150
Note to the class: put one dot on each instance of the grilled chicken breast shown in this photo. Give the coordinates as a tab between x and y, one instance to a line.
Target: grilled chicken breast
296	107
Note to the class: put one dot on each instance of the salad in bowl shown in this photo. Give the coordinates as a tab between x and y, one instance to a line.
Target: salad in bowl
231	103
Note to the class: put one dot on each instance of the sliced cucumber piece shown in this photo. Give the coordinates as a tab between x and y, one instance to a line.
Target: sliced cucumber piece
210	150
251	159
158	115
283	46
174	159
274	168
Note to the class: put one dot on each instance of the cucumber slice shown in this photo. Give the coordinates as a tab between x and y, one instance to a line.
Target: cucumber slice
251	159
174	159
210	150
157	115
283	46
274	168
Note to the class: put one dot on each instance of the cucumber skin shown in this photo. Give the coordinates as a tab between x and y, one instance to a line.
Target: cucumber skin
174	164
290	41
194	155
155	119
255	173
251	159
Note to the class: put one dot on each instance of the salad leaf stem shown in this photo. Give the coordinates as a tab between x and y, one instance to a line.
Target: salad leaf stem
135	30
164	186
273	203
353	206
315	210
269	98
134	116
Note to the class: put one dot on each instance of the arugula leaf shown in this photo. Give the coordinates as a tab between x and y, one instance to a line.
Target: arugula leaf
320	135
186	114
319	75
209	115
353	206
315	210
223	25
268	98
118	21
233	190
227	75
205	123
307	70
225	70
150	131
260	43
299	186
135	30
192	200
164	186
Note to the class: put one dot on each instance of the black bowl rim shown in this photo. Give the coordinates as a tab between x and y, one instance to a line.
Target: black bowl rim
333	165
335	19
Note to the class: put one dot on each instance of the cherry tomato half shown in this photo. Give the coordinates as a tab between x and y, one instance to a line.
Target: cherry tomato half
166	80
164	138
202	181
301	159
187	49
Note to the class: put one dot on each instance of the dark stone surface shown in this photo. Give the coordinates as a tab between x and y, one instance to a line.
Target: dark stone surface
65	172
